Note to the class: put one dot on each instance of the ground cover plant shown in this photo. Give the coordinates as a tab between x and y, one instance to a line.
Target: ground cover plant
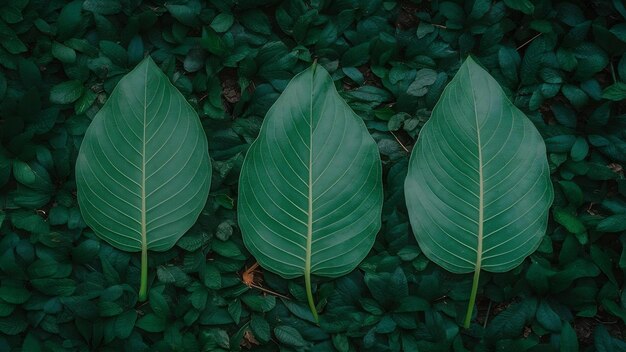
62	287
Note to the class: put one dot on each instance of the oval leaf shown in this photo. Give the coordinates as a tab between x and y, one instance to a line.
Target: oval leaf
143	171
310	191
478	187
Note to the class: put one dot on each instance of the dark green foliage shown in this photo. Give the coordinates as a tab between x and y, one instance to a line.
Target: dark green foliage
562	62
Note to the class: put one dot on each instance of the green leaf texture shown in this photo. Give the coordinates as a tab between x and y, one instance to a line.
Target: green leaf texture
310	191
143	171
478	187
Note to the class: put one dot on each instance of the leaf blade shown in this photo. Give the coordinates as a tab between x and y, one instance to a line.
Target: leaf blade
461	174
143	169
310	188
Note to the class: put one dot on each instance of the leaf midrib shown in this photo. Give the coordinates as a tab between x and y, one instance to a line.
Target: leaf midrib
309	237
144	234
481	188
479	234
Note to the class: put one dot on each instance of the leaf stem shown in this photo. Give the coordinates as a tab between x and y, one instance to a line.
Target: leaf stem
143	287
472	300
309	296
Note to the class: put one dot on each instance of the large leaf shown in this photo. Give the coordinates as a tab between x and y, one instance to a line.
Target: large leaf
478	187
143	171
310	191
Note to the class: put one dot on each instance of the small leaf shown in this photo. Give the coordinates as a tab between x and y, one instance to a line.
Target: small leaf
124	324
63	53
14	294
547	317
524	6
260	328
66	92
615	92
511	322
423	78
23	173
569	340
289	336
613	223
151	323
103	7
222	22
569	221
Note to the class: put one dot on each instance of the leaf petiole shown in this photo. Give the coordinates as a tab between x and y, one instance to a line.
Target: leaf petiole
309	295
472	300
143	286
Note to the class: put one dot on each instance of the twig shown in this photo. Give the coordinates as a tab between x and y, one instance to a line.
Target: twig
398	140
248	279
439	26
528	41
613	73
487	315
269	291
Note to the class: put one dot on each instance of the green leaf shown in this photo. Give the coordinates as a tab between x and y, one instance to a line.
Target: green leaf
510	322
613	223
478	187
124	324
55	287
603	261
356	55
173	275
423	78
524	6
69	19
14	294
222	22
509	61
66	92
547	317
260	328
569	340
573	193
256	21
143	171
569	221
602	340
151	323
341	342
615	92
289	336
212	42
103	7
13	324
23	173
63	53
259	303
580	148
575	95
310	192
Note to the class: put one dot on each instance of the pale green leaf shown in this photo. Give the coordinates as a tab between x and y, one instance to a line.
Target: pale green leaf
478	187
143	171
310	191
